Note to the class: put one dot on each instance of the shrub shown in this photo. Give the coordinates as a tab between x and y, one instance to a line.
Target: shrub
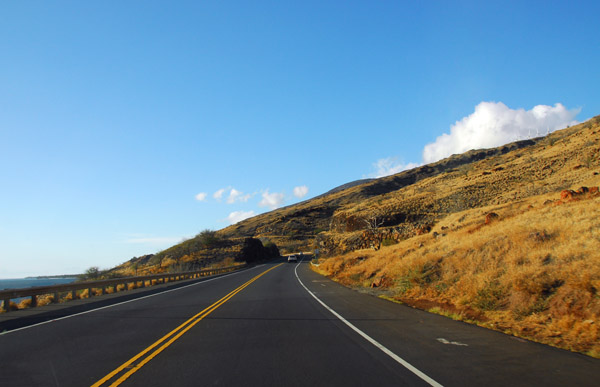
207	237
489	298
91	274
254	251
388	242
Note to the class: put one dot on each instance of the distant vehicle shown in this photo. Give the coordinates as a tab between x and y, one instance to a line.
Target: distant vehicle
292	258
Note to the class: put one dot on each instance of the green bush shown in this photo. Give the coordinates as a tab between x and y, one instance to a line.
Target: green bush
254	251
388	242
489	298
91	274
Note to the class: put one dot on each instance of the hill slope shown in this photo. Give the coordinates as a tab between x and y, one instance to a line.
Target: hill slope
510	242
421	237
412	201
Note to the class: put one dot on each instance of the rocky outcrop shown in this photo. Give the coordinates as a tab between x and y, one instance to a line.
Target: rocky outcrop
582	193
491	217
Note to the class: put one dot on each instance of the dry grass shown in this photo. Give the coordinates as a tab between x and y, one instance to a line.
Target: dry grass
534	273
45	299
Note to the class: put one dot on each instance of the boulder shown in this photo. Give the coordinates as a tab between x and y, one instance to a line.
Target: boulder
423	230
491	217
538	236
377	282
581	193
567	194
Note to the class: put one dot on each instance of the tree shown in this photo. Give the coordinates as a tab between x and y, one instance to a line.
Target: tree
272	251
251	250
373	222
92	273
207	237
254	251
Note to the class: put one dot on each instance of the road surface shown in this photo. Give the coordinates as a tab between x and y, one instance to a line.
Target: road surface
277	324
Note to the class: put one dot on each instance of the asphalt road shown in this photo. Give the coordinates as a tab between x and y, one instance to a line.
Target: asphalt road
263	327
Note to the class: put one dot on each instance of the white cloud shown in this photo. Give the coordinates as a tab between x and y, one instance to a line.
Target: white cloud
494	124
300	191
219	194
390	166
237	196
238	216
272	200
201	196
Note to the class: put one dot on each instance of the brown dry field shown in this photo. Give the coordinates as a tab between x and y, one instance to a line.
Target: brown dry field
533	272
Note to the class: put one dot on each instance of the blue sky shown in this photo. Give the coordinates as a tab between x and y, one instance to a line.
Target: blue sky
117	116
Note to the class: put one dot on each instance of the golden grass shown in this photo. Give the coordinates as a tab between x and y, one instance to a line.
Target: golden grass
45	299
534	273
26	303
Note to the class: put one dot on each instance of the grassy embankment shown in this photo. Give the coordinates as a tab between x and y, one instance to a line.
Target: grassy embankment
534	272
125	271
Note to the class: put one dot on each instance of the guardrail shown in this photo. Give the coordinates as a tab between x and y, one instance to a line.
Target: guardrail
56	290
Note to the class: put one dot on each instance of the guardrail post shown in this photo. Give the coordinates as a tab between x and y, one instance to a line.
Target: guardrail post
104	285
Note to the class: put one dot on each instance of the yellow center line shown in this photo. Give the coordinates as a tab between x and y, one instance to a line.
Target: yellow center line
173	335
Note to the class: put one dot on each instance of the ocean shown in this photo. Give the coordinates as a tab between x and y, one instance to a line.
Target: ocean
18	283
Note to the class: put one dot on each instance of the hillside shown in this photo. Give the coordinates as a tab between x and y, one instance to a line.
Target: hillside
491	236
510	242
410	202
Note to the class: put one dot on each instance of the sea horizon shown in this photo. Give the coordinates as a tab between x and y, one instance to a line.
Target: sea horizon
28	282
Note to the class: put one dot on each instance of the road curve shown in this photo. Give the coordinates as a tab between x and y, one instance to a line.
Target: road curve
263	327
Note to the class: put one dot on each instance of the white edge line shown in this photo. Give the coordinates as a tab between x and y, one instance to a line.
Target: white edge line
391	354
124	302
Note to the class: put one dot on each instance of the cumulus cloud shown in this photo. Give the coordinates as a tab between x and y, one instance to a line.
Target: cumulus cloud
219	194
300	191
272	200
390	166
237	196
238	216
493	124
201	196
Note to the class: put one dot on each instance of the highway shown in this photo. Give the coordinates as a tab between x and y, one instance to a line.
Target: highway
278	324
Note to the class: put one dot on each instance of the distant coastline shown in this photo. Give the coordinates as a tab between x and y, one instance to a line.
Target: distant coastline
54	276
20	283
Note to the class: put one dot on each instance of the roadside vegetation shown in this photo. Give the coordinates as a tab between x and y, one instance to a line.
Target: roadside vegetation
507	238
205	251
532	271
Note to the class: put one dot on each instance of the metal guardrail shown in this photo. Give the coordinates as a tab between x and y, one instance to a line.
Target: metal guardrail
33	292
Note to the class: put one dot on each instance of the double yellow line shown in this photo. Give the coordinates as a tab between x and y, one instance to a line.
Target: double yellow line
138	361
